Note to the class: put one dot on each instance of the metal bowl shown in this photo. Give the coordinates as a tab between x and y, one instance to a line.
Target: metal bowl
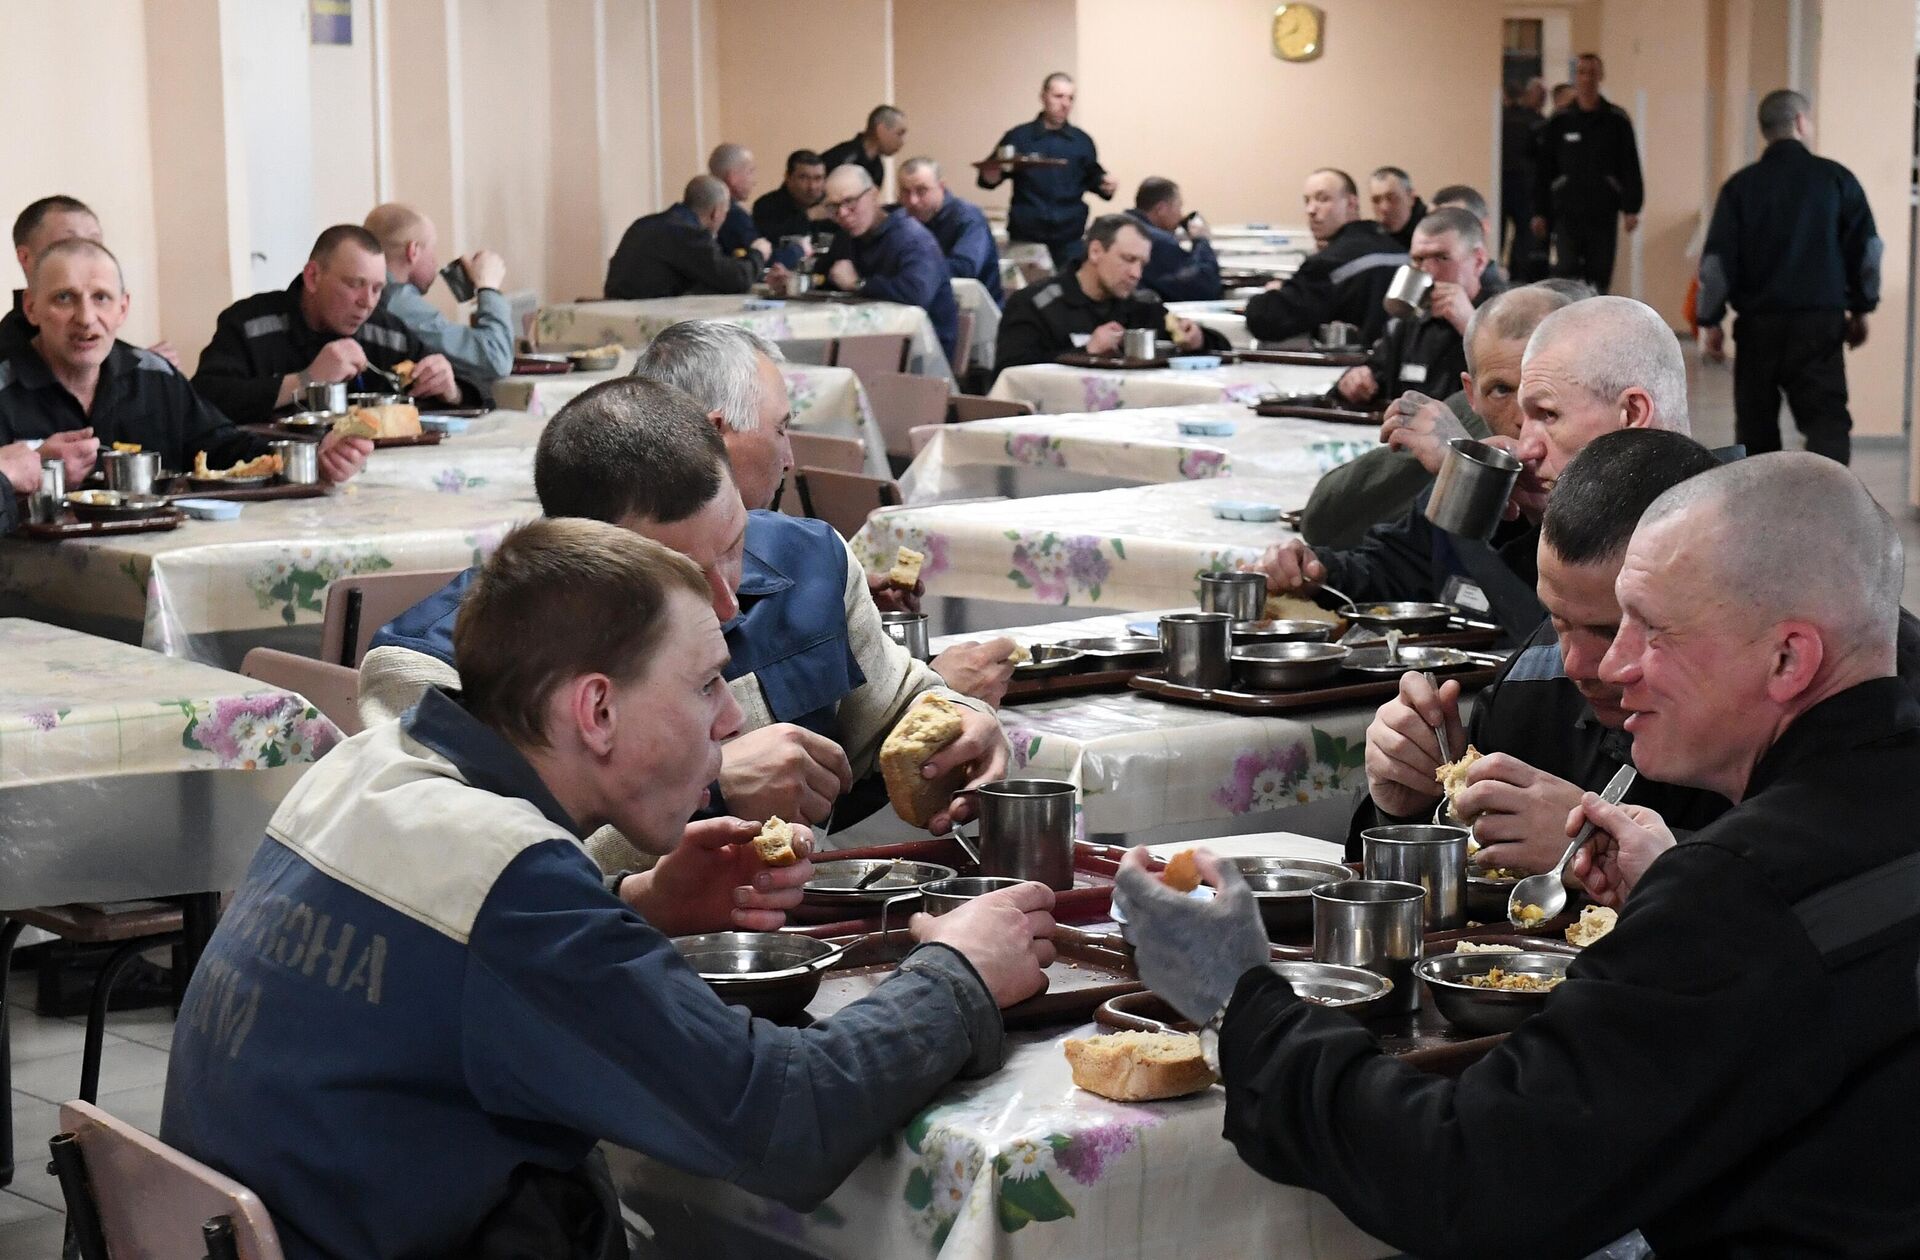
1283	888
1353	989
1374	659
772	974
309	421
1487	896
943	896
1127	651
229	483
1412	618
111	505
376	400
1486	1011
833	882
1048	658
1282	631
1287	666
585	361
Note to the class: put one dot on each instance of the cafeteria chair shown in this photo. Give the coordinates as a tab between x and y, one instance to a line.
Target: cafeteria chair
129	1194
844	500
964	407
962	344
921	434
357	606
900	402
825	450
332	689
873	354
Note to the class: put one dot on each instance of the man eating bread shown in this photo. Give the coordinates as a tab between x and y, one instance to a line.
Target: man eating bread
327	326
821	684
431	992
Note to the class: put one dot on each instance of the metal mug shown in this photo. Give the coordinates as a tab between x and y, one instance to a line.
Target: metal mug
330	396
799	282
1197	647
909	630
1471	492
1026	830
459	280
299	461
1408	292
1242	596
1137	343
45	504
1376	924
1336	334
131	472
1433	857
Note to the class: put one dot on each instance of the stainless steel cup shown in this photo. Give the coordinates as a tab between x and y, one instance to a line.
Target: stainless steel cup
909	630
1137	343
1471	492
1007	152
299	461
45	504
1336	334
1376	924
1197	647
324	396
1026	830
1408	292
1433	857
131	472
1243	596
799	282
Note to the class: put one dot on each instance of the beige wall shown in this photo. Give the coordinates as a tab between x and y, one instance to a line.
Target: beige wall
507	101
955	118
343	125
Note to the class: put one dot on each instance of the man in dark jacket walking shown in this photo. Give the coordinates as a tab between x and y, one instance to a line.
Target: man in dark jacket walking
1049	206
1792	248
1587	178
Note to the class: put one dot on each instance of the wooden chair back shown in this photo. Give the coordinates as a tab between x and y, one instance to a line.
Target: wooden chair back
357	606
844	500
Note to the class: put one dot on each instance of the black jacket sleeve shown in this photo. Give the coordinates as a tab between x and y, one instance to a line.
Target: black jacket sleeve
1025	335
229	378
1626	168
713	270
1719	259
1859	247
1395	561
1294	309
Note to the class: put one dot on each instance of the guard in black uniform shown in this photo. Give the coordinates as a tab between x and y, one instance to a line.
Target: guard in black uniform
1735	1069
1587	178
1089	307
1343	280
1792	248
1049	202
885	132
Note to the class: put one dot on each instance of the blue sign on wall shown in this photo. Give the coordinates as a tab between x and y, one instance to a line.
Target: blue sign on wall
332	21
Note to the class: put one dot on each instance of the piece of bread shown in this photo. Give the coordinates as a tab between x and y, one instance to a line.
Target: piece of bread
905	572
268	465
1474	947
1295	608
390	420
929	726
403	370
1140	1066
1182	873
774	844
1020	655
1453	776
1594	922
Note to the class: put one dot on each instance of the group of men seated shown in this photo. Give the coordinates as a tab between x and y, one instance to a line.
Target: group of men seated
69	386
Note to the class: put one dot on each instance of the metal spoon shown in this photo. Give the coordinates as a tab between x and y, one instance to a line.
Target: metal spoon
1548	891
1446	753
391	378
1337	593
875	875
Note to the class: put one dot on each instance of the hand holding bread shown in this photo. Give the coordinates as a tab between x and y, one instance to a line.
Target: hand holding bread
717	878
1007	935
938	749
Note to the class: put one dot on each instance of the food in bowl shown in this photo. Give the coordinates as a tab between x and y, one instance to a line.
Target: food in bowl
1513	981
1475	947
1294	608
1529	914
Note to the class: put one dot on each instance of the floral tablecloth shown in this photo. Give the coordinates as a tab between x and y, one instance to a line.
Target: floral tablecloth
1143	763
633	324
1143	445
1139	547
268	569
1226	316
73	706
1054	387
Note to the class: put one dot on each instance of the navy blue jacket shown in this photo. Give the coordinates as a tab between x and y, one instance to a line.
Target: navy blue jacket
1048	206
1175	273
737	231
1791	233
791	633
966	238
899	261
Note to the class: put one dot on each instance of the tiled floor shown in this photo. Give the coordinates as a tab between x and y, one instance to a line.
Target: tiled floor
46	1052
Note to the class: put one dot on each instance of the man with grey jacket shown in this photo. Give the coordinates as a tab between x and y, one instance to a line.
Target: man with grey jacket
481	351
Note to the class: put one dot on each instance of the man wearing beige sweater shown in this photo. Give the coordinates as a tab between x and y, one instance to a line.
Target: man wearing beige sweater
819	682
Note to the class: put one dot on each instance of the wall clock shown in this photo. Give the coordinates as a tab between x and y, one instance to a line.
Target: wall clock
1298	32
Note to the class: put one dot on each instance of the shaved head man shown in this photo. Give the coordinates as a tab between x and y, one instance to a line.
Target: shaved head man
481	350
732	165
1396	207
1344	279
678	250
888	254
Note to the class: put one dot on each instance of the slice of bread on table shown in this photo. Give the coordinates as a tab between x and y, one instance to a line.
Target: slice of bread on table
1140	1066
930	725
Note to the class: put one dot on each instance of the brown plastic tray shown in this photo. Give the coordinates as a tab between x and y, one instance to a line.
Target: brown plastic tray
1281	409
822	295
1303	358
70	526
1047	687
1265	703
541	367
1025	161
1112	362
246	494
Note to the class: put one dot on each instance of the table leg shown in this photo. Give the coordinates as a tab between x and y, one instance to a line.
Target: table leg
9	933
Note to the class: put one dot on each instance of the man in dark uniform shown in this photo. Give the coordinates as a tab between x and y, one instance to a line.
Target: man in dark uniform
885	134
1424	350
327	325
1735	1068
1344	279
1520	124
1793	249
1587	178
732	165
74	383
887	255
1178	273
1396	207
677	251
1049	206
1090	307
1493	277
789	209
42	223
961	227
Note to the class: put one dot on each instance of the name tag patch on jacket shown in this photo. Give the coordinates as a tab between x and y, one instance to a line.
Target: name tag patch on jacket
1415	372
1571	136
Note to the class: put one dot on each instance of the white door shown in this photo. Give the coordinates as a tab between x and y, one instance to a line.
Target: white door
269	85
